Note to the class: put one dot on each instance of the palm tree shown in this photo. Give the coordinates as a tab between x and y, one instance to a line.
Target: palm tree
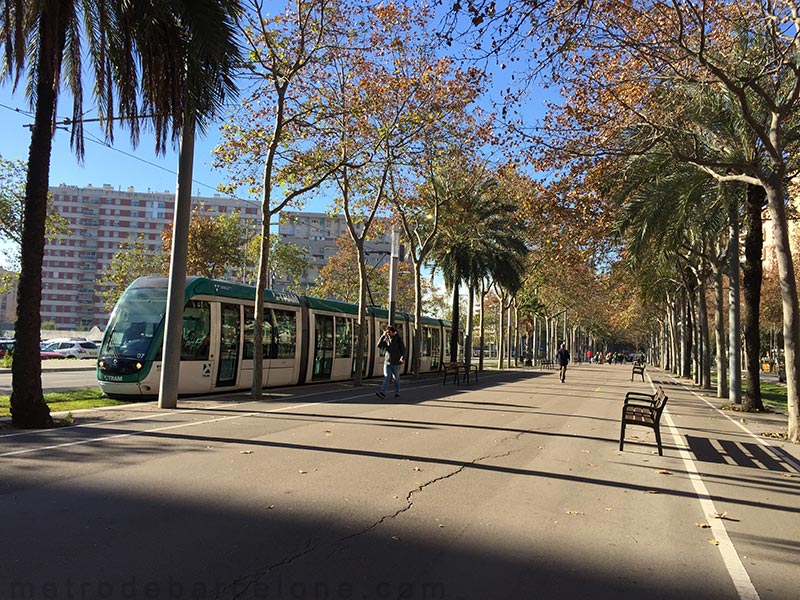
476	240
160	59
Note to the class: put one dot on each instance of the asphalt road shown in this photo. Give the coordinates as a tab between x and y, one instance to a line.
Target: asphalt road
513	487
57	376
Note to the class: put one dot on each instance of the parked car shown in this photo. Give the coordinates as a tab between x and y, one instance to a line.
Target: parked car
47	355
74	349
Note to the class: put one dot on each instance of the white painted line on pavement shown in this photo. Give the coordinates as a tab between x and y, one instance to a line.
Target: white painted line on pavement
154	430
168	427
738	574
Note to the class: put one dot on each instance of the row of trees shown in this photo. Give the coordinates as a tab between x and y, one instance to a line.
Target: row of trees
679	124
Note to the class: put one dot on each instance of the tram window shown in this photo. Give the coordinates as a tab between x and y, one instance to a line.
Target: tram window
196	330
285	332
249	325
436	348
344	337
269	345
427	342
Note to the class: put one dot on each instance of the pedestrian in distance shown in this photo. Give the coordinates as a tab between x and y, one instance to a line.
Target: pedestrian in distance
562	356
391	344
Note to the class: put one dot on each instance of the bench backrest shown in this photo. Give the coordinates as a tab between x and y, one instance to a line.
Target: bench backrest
659	402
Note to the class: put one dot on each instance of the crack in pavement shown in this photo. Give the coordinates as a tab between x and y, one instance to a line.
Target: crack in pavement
419	488
247	581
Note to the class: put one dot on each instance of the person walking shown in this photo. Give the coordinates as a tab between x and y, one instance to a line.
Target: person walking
392	345
562	356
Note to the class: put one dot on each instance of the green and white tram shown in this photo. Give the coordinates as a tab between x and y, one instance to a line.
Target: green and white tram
304	339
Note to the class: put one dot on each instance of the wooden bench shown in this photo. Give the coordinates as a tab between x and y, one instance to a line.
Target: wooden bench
643	409
547	364
638	369
459	369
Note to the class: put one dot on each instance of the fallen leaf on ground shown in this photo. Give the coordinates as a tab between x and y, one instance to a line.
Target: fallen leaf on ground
663	472
246	452
717	515
713	542
702	525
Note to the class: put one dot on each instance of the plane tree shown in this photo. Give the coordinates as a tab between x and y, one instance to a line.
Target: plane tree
389	88
265	146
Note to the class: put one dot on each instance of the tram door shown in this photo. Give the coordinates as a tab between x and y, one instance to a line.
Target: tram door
228	364
323	347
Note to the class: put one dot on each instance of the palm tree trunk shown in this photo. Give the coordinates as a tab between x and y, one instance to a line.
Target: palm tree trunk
791	311
481	326
719	330
734	344
501	334
456	317
28	408
704	338
751	290
468	330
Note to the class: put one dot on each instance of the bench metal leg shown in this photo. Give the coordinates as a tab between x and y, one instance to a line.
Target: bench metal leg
622	436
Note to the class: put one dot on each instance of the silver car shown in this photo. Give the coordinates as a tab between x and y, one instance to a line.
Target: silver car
74	349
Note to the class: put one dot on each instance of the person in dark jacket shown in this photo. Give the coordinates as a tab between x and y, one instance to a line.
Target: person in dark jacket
562	356
393	348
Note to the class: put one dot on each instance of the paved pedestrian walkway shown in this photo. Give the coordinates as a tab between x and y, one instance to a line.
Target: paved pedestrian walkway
512	487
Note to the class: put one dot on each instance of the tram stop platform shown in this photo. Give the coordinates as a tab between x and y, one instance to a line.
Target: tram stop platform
511	487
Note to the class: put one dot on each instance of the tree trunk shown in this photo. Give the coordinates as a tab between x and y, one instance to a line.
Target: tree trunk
482	325
361	329
468	329
687	330
501	334
734	343
791	311
415	357
705	339
751	290
28	408
719	330
456	317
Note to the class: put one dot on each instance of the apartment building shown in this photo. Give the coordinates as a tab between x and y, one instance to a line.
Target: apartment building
100	219
317	233
8	299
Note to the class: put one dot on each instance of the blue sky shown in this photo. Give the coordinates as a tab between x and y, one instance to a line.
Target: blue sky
121	166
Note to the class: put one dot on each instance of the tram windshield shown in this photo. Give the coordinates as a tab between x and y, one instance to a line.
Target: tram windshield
137	315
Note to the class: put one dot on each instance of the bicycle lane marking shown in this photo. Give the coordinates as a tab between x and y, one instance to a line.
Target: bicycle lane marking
730	557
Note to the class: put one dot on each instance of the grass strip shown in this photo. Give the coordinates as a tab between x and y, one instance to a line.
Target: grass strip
66	401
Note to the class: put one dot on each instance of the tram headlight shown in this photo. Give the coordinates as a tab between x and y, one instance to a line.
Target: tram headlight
139	366
101	364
